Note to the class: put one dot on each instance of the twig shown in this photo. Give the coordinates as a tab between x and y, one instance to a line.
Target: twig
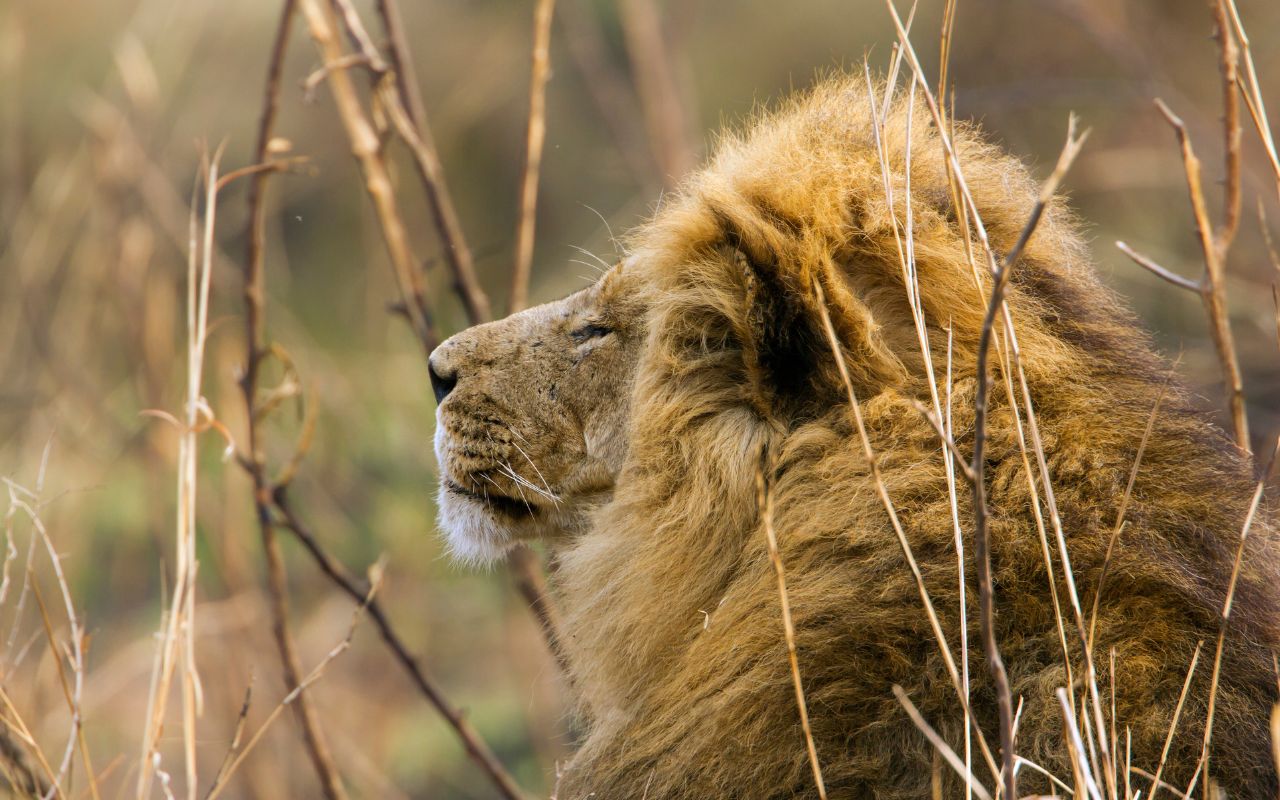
1252	92
1229	65
1213	290
456	252
764	500
536	135
367	151
297	692
940	745
255	342
526	569
471	741
977	467
408	117
234	747
1160	272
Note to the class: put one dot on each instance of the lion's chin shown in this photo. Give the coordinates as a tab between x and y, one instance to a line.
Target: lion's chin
474	536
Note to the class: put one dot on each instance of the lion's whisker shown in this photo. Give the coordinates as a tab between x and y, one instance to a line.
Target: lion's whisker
541	477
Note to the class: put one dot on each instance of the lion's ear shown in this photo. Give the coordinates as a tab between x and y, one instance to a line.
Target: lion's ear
783	334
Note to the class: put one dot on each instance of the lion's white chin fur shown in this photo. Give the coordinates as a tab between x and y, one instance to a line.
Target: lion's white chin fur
474	537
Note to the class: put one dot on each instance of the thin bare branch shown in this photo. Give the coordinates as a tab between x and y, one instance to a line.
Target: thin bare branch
986	596
1229	65
403	106
297	692
1160	272
471	741
255	342
1213	288
1252	92
457	254
367	150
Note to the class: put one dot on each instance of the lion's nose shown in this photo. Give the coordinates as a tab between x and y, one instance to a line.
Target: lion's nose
443	377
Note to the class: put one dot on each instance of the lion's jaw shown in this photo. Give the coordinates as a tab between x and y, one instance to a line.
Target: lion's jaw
531	422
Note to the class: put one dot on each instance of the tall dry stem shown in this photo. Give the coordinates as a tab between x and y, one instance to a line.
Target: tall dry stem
176	645
535	136
764	500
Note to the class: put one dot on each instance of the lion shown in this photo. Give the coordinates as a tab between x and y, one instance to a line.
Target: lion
626	426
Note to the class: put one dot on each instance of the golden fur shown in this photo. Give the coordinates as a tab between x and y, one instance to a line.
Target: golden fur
714	354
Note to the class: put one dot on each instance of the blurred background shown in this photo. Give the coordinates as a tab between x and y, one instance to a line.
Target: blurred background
103	106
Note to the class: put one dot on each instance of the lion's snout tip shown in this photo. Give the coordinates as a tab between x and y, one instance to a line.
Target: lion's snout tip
443	377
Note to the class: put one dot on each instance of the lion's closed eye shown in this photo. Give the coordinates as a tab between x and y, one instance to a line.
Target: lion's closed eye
590	331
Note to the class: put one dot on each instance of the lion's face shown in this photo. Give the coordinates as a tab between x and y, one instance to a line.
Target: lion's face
532	416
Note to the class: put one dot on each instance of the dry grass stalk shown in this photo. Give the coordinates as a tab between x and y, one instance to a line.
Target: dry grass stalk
294	695
13	722
28	502
1119	524
940	745
1013	363
1156	783
1000	281
883	493
367	149
1076	747
475	746
176	648
906	253
535	136
1203	767
456	252
1275	735
764	499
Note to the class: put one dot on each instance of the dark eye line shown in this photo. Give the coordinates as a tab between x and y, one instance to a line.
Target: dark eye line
592	330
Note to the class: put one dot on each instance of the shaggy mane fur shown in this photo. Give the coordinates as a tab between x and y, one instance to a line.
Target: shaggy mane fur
674	628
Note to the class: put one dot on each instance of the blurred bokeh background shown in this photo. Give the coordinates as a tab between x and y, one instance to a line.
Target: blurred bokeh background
103	106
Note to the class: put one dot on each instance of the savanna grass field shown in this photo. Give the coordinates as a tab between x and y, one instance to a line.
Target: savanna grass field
230	232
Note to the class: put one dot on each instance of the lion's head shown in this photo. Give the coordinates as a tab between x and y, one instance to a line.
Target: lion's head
532	417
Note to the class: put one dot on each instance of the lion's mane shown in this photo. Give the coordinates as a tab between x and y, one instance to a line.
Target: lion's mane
674	630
